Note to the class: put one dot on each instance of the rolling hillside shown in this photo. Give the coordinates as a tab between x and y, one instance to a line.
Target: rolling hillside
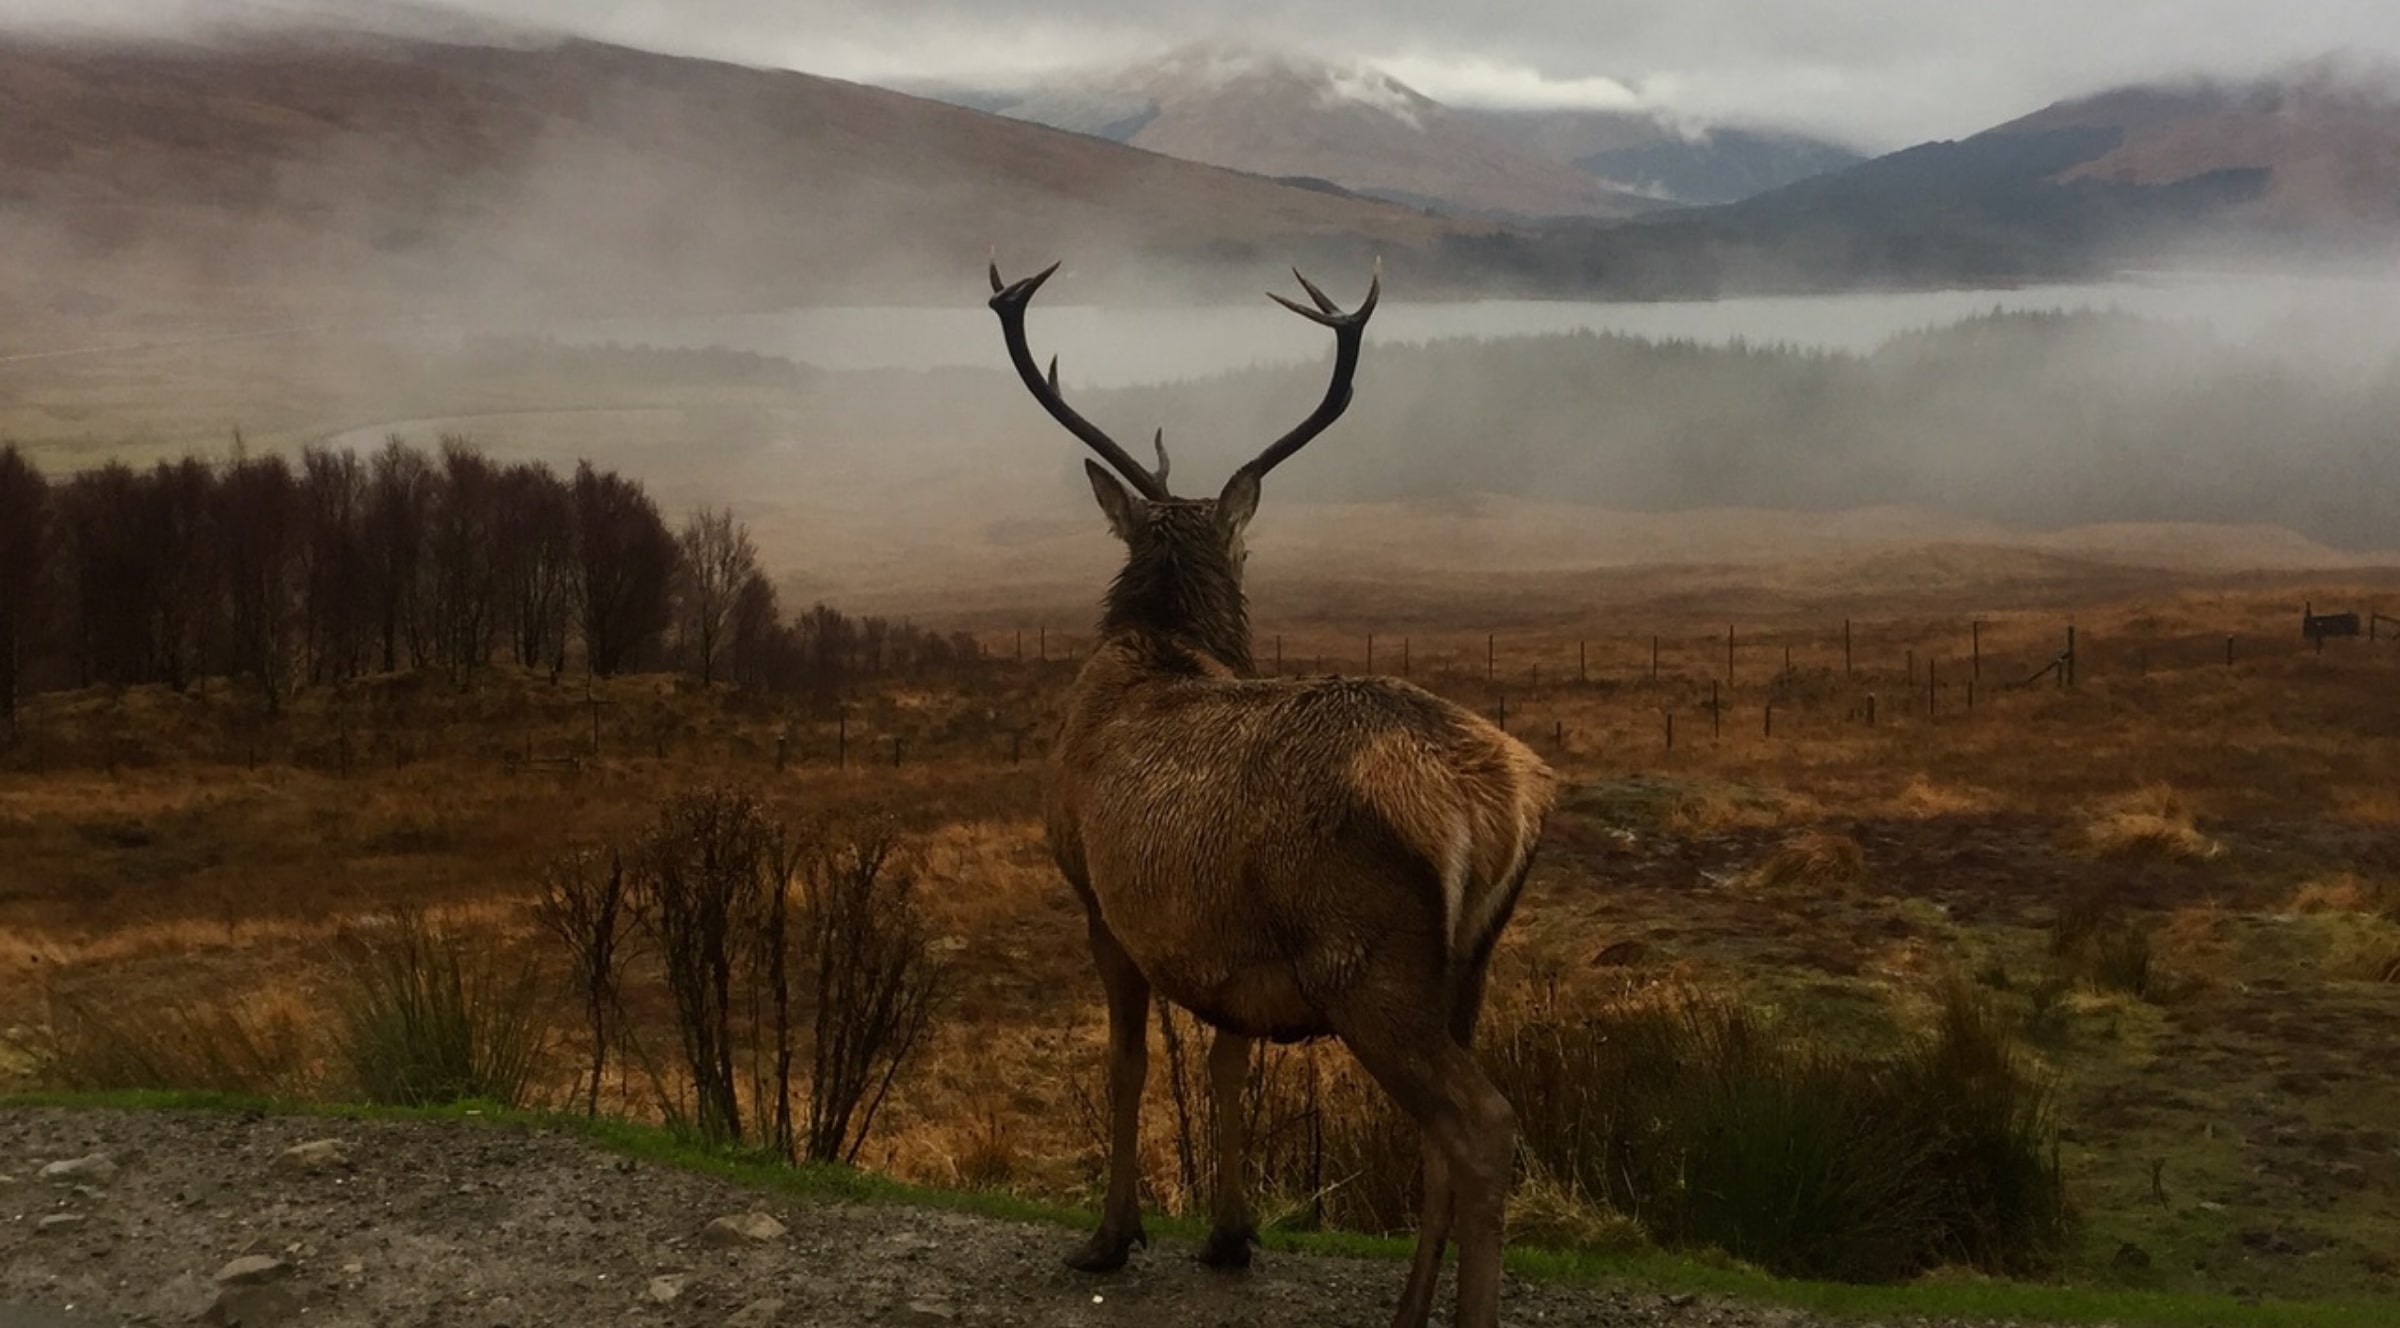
323	175
2328	142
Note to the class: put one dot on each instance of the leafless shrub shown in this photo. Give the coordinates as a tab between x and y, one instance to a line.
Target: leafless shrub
586	907
876	979
703	876
772	942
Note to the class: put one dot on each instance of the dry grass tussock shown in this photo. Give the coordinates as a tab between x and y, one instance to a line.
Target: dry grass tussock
1708	809
1815	861
264	1043
2154	821
1923	799
2347	892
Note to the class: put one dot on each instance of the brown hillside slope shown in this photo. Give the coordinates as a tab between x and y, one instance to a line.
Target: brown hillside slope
325	173
2331	144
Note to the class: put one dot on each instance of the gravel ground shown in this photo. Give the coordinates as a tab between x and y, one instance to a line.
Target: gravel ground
173	1217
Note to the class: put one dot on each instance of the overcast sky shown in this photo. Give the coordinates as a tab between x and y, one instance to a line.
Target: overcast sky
1881	72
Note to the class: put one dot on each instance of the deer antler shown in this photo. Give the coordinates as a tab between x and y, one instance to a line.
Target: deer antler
1010	301
1349	329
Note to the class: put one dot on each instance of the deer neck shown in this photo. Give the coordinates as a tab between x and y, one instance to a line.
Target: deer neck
1178	618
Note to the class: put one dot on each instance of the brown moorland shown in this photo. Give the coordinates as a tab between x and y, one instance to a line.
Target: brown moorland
2176	877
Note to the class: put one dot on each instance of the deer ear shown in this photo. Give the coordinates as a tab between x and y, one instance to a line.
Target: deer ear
1239	502
1125	516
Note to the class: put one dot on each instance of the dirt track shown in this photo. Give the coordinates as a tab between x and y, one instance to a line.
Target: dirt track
459	1225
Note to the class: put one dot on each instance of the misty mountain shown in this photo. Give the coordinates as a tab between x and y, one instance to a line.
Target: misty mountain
1646	153
2147	176
323	174
2326	138
1288	116
2309	154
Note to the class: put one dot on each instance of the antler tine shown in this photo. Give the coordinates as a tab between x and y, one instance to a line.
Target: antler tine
1325	303
1349	332
1010	302
1159	441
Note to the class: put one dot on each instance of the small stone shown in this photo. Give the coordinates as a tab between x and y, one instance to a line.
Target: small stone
56	1223
252	1270
765	1312
2130	1256
252	1307
314	1156
742	1228
95	1167
933	1308
665	1289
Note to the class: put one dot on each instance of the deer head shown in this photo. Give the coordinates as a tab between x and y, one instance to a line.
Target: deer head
1201	537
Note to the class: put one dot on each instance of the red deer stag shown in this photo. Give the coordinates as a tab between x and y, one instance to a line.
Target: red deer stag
1285	858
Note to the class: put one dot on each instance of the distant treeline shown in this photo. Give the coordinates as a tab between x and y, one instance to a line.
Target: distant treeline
288	574
2038	419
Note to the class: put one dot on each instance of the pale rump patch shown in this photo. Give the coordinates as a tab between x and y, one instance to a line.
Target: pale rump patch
1476	832
1457	876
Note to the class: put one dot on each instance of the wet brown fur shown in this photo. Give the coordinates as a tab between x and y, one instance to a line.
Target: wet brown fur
1288	858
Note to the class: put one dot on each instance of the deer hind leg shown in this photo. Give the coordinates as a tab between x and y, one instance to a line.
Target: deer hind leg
1433	1237
1231	1231
1434	1219
1128	1065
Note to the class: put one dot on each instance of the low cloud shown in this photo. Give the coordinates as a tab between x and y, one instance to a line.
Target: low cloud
1476	81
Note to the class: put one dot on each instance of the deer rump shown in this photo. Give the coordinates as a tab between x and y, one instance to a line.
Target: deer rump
1247	841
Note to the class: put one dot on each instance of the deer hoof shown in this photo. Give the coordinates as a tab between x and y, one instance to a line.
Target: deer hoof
1228	1249
1105	1252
